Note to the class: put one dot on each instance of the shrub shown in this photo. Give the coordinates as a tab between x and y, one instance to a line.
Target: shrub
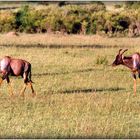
132	4
7	21
22	18
71	18
118	6
30	20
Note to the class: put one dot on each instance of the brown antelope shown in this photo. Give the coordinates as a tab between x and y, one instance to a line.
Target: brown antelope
132	62
16	67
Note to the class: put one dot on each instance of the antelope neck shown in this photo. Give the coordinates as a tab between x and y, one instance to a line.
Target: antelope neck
127	61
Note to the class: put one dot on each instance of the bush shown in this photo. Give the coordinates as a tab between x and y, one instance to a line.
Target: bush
117	6
132	4
70	18
22	18
7	21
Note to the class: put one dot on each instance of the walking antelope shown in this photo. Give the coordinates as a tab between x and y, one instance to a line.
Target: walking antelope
132	62
16	67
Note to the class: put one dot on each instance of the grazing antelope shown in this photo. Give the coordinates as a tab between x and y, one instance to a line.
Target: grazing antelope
132	62
16	67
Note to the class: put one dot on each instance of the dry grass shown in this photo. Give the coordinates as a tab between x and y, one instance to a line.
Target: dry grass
57	40
76	96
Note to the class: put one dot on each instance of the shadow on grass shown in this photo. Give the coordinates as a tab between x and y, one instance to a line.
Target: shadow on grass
90	90
57	46
63	73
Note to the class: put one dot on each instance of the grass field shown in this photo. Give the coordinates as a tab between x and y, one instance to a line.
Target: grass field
78	94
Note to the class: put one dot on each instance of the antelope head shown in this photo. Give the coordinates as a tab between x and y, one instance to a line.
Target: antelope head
119	58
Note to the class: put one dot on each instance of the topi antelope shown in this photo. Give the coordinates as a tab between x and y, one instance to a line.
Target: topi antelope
16	67
132	62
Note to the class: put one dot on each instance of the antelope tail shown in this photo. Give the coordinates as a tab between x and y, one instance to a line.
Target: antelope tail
30	75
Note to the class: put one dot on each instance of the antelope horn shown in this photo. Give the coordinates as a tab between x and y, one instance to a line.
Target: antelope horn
124	51
120	50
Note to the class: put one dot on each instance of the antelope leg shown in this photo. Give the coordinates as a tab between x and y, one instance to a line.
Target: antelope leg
134	87
1	80
134	78
33	92
22	91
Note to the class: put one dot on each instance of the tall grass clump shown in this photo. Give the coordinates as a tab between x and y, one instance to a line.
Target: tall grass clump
101	60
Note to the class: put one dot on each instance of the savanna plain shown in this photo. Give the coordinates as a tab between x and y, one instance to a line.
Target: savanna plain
79	95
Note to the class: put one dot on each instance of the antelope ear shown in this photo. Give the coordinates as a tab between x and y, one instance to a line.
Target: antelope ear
124	51
122	57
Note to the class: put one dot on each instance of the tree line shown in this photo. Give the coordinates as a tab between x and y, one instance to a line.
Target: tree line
87	18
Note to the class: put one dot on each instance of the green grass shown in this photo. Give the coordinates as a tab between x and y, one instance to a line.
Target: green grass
78	96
